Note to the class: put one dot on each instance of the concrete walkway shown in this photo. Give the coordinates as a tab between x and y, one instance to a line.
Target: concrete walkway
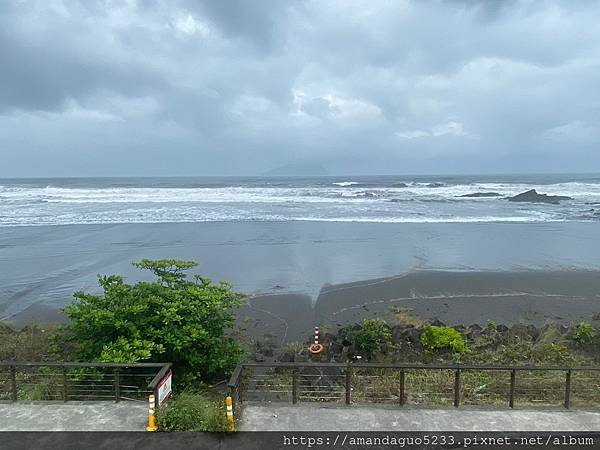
274	417
73	416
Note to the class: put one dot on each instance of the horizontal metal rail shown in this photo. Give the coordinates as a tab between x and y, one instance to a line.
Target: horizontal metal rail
417	366
79	380
422	384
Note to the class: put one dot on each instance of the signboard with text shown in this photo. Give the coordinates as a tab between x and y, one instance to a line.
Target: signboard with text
164	388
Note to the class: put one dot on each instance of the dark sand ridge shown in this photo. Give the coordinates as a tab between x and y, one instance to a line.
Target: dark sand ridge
535	297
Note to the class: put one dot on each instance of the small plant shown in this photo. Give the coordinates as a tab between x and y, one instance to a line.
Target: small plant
443	338
552	354
584	334
370	338
295	347
192	412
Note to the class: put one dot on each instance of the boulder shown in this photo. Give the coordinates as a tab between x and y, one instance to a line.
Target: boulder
286	357
460	328
532	196
533	331
519	330
413	335
474	331
397	334
335	348
502	329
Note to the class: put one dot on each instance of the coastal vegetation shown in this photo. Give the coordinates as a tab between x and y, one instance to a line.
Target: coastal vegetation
193	411
583	334
371	337
415	342
436	338
171	318
189	321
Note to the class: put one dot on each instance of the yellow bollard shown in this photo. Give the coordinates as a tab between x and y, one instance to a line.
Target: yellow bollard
230	422
151	414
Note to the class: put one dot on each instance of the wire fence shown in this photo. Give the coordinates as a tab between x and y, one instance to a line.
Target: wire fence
418	385
79	381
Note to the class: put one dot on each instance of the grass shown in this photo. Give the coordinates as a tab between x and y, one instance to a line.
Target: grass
193	411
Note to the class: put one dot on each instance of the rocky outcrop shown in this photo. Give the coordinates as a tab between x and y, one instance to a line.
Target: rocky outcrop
481	194
532	196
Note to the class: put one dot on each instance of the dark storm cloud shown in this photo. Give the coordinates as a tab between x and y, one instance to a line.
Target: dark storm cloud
207	87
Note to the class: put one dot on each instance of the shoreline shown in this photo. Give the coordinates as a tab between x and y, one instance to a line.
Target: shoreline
453	297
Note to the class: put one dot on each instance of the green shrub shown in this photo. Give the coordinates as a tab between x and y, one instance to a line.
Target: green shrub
443	338
172	318
192	412
370	338
584	334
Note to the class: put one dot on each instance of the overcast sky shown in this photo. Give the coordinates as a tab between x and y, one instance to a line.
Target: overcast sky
241	87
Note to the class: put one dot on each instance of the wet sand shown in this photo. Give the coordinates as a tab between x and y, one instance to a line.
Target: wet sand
299	274
528	297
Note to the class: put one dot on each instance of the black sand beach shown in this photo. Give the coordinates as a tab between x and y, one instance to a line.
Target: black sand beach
526	297
298	274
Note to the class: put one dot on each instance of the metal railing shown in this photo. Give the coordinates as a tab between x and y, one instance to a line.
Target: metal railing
79	381
416	384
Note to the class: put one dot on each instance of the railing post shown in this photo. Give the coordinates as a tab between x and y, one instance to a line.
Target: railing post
402	382
568	389
118	386
13	383
457	388
65	386
513	381
295	386
348	384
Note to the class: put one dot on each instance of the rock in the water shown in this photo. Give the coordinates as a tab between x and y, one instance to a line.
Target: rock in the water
533	197
399	185
481	194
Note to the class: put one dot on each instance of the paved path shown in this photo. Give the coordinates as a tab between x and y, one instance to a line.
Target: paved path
74	416
358	418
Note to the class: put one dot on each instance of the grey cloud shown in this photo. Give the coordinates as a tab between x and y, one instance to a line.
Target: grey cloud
186	87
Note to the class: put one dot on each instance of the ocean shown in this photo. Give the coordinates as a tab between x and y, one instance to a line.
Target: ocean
285	235
378	199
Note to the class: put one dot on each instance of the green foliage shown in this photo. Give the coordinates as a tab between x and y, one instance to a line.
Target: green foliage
192	412
370	338
584	334
169	319
443	338
551	354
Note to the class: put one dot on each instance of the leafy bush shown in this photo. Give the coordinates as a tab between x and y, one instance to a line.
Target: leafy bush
443	338
169	319
192	412
584	334
370	338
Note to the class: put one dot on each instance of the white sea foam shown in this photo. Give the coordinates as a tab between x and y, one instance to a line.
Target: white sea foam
346	183
344	201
